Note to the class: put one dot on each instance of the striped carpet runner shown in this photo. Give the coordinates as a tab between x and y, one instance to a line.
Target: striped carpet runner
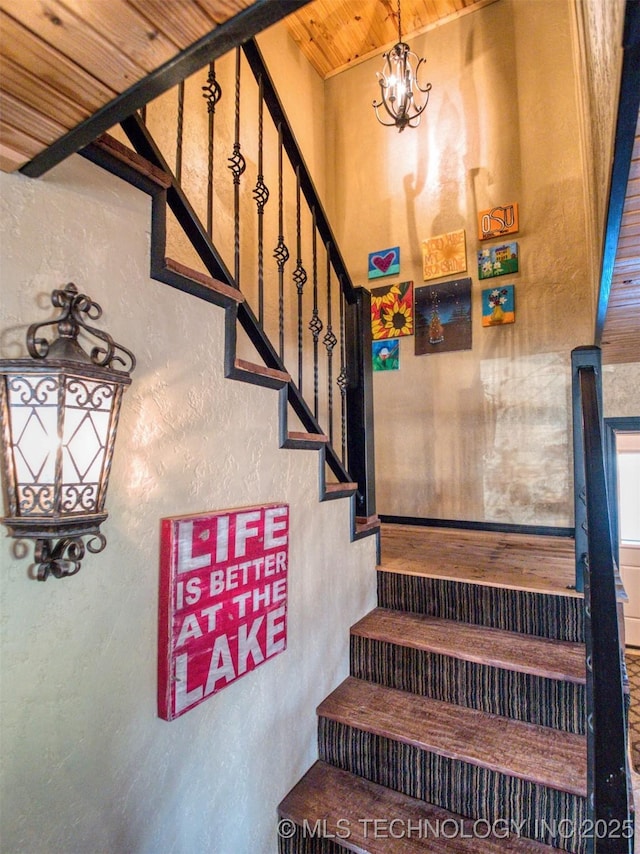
466	702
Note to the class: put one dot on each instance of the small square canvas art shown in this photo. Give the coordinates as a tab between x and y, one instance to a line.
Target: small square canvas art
444	255
498	260
385	262
443	317
392	311
494	222
386	355
498	306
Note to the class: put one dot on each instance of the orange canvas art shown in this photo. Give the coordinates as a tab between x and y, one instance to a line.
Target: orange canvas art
444	255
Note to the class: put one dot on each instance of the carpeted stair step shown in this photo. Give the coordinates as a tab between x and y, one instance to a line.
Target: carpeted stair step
331	811
538	680
546	615
479	765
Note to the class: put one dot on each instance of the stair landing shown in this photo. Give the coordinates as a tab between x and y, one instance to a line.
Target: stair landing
532	563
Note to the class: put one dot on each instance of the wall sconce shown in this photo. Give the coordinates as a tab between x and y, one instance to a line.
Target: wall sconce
59	416
398	83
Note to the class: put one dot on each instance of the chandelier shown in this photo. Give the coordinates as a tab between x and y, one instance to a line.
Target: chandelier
399	86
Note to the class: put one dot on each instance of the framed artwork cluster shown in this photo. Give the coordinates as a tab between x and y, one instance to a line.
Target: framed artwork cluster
439	315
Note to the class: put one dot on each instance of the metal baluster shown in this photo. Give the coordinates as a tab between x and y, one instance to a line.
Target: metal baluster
299	277
261	197
212	92
341	379
329	342
179	131
237	165
281	253
315	324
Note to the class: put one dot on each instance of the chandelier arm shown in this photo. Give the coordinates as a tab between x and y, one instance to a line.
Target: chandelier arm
385	124
393	113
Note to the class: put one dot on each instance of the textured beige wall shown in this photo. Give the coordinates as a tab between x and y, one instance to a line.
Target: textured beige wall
86	764
598	29
621	390
481	434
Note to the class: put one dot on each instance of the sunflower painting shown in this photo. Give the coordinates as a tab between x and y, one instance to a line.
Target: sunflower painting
392	311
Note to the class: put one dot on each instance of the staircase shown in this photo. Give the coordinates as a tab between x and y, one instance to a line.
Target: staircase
460	728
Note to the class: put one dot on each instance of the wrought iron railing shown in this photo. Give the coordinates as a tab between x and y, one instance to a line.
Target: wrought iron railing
243	195
610	805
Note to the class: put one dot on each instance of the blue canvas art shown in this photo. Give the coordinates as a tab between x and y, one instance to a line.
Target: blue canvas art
385	262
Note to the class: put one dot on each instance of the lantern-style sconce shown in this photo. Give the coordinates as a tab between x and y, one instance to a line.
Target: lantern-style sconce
59	416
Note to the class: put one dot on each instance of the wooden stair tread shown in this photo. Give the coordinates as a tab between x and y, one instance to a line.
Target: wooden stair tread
262	370
552	659
203	279
341	487
329	794
297	436
534	563
367	523
530	752
124	154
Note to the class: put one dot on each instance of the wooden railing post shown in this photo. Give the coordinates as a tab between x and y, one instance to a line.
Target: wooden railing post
581	357
360	439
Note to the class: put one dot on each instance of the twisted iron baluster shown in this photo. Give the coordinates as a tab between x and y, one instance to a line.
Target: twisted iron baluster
281	253
237	165
211	92
299	277
329	342
341	379
179	131
315	324
261	197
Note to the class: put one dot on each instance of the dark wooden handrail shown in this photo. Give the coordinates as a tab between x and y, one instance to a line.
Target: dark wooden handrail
609	790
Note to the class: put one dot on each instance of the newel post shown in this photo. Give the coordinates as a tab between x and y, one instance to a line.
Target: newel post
360	438
582	357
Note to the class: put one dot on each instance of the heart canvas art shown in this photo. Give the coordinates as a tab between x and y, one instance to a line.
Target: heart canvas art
385	262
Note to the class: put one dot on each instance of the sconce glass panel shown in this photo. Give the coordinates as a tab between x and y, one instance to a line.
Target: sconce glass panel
61	427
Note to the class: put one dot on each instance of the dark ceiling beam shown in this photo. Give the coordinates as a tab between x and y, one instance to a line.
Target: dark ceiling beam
628	106
243	26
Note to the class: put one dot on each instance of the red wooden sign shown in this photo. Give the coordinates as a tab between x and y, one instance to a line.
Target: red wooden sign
223	600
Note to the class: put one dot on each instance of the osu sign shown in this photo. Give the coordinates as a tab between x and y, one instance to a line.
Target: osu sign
223	600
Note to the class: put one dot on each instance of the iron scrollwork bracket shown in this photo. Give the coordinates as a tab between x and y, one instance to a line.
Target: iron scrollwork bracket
63	558
76	309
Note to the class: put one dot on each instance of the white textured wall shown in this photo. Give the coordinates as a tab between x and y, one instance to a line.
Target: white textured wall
86	764
481	434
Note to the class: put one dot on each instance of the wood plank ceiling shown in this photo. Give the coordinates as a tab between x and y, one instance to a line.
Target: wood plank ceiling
621	333
64	61
334	35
